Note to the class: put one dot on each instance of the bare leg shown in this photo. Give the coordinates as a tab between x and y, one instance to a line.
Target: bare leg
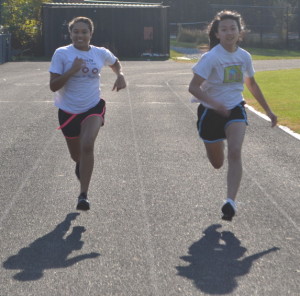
89	131
235	134
74	148
215	153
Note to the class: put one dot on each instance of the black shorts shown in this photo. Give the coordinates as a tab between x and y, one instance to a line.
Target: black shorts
70	124
211	125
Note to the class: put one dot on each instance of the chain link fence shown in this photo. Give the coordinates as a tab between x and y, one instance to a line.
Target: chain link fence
268	26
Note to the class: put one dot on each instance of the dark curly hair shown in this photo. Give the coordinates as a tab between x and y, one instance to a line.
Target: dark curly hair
81	19
214	25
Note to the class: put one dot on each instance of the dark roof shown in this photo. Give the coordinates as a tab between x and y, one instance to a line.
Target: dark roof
105	4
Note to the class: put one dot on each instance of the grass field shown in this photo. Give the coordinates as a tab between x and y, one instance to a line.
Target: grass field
257	53
273	54
281	88
282	91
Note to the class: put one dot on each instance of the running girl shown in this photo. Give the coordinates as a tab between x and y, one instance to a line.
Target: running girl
75	79
218	83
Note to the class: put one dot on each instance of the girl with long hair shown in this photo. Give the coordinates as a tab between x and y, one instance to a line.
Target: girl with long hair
217	84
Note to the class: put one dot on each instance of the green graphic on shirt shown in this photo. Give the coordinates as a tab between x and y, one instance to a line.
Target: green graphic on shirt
233	74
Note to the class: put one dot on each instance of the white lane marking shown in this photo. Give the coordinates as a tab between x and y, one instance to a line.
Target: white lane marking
148	241
284	128
149	85
168	73
1	101
277	206
30	172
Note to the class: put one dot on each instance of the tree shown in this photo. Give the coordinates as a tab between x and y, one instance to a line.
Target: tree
22	18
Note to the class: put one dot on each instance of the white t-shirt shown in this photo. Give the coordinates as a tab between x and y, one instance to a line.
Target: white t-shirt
224	73
82	90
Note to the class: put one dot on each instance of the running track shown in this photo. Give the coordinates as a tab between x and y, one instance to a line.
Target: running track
154	227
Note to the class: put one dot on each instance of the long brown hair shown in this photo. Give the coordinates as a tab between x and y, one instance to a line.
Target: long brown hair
214	25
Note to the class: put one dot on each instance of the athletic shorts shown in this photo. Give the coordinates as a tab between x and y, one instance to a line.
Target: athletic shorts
70	124
211	125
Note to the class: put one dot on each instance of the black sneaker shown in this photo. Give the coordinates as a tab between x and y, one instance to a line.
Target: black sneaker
77	171
83	203
228	211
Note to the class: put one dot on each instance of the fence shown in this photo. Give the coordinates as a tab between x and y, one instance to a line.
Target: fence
268	26
5	48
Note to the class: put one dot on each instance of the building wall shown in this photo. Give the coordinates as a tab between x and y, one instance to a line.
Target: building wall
125	31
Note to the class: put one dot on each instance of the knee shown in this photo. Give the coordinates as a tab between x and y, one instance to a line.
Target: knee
216	162
217	165
87	147
234	154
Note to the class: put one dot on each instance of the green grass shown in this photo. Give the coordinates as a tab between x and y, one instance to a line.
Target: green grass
281	88
282	92
174	54
257	53
273	54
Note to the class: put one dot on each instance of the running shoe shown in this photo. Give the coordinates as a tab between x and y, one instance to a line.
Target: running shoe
228	211
83	203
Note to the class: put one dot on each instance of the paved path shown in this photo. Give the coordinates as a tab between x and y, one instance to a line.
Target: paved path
189	53
194	53
154	227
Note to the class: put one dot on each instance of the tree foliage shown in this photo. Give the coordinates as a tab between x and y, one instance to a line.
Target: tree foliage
22	18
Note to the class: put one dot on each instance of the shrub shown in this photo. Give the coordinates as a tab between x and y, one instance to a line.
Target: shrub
22	18
192	36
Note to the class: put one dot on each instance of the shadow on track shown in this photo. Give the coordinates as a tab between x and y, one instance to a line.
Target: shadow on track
214	261
49	251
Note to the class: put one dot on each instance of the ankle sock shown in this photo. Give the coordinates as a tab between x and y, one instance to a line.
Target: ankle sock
232	202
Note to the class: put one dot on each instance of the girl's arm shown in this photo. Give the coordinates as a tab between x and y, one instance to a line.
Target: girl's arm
57	81
120	82
196	91
258	95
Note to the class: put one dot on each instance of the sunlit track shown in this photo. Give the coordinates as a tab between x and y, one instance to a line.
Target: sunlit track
155	225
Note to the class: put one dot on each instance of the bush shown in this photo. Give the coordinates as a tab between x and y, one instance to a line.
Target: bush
192	36
22	19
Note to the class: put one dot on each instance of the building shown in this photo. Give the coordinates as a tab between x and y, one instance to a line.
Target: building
128	29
